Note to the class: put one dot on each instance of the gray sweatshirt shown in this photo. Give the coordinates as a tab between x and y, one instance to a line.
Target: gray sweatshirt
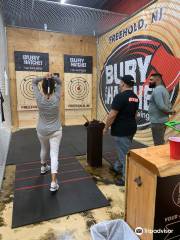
49	119
159	105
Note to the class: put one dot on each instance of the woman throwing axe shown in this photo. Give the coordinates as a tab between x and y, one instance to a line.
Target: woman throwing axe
49	128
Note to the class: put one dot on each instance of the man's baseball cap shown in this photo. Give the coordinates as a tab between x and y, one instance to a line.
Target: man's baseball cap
128	79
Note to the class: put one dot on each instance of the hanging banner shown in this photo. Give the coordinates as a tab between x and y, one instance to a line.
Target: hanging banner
147	43
28	65
78	82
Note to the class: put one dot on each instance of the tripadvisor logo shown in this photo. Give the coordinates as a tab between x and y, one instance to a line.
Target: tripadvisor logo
140	57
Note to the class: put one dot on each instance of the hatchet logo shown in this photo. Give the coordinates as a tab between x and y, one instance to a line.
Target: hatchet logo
168	66
176	195
175	234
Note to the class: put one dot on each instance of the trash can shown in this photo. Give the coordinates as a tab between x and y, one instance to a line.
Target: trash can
94	142
112	230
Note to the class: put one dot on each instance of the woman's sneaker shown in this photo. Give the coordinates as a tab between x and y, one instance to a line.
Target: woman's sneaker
45	169
54	187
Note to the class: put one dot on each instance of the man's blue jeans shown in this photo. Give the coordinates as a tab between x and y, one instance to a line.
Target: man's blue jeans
123	145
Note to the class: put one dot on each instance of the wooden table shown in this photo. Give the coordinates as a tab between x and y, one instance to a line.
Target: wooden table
153	192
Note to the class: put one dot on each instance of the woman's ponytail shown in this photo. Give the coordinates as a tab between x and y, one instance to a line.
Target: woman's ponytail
48	86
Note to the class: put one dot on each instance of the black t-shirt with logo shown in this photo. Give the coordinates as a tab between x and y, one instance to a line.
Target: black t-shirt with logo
126	103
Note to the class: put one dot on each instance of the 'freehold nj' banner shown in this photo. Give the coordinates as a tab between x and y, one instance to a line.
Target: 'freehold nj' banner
28	65
147	43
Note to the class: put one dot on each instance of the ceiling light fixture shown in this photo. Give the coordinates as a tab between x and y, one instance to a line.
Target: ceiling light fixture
45	26
62	1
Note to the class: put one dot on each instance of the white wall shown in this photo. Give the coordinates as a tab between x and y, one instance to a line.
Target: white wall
5	127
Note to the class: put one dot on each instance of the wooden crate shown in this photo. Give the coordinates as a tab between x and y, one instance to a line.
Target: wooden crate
153	192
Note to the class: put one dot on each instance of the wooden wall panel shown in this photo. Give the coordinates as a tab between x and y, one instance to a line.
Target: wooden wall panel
56	44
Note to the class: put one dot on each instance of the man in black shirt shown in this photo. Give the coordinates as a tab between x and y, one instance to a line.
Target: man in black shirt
122	119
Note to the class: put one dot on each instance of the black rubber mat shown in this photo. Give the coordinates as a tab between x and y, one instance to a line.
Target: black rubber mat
33	202
74	143
111	155
25	141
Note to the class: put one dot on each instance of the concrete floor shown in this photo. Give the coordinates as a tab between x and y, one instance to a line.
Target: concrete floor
72	227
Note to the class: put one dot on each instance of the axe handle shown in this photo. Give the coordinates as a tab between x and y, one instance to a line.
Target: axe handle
85	118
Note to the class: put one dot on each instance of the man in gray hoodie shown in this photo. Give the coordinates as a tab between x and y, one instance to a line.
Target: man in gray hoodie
159	108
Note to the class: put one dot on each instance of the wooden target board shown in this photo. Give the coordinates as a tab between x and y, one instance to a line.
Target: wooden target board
28	65
78	86
78	91
25	95
78	81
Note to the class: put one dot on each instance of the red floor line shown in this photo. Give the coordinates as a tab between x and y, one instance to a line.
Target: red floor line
21	164
29	169
62	172
45	185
